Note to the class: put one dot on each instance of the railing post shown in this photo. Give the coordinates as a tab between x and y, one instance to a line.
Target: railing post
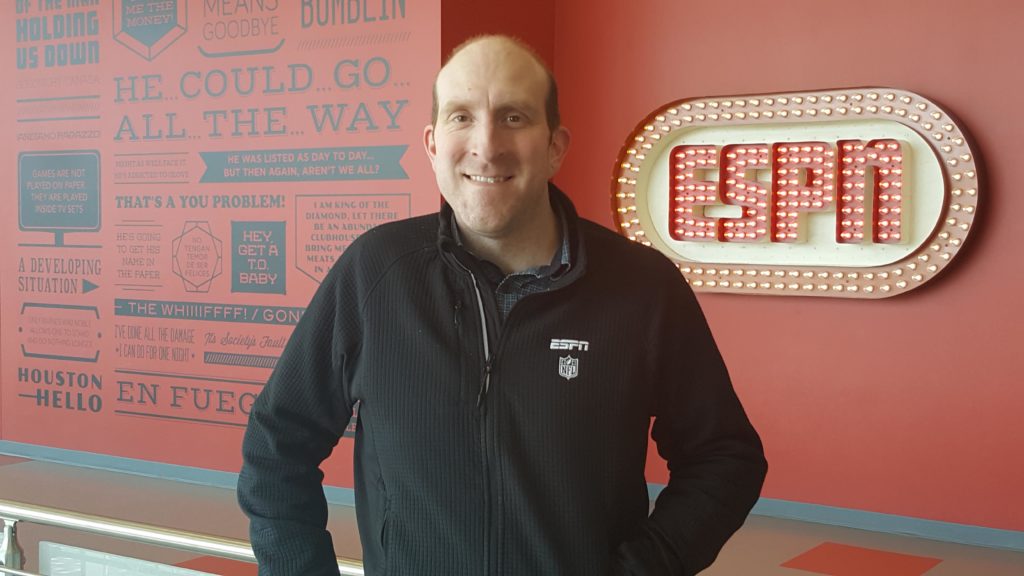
10	552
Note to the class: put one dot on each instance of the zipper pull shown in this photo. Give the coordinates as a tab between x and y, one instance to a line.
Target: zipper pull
458	311
485	385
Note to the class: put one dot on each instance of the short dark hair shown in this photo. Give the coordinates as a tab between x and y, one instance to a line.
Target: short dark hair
554	118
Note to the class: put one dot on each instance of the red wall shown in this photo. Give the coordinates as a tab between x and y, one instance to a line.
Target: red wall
906	406
532	21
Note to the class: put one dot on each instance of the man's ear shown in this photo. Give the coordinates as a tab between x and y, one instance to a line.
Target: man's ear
558	148
428	143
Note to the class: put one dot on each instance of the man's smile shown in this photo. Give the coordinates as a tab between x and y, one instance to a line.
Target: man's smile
487	179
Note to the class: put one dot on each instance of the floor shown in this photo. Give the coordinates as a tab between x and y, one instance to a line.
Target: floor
763	547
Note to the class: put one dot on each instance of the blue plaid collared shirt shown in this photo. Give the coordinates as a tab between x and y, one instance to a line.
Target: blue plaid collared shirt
509	289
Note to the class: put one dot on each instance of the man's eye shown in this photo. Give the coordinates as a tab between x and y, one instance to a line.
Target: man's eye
460	118
514	118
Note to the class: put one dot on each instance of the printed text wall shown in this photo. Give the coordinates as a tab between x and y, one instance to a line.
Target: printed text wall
180	176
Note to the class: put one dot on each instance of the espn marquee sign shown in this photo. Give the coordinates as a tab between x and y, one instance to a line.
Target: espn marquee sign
862	193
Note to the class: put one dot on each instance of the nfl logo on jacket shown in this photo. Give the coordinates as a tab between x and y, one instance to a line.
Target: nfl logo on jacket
568	367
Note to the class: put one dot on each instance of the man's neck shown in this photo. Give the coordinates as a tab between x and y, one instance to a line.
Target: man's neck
529	247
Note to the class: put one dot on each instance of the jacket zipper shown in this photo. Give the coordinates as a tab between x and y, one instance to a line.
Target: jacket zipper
485	385
481	396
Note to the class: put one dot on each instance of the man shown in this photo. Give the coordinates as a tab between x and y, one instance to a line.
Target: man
506	357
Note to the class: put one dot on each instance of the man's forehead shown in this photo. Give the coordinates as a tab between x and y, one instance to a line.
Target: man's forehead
495	50
497	67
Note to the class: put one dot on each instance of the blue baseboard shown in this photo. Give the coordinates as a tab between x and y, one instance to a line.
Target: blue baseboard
192	475
885	523
846	517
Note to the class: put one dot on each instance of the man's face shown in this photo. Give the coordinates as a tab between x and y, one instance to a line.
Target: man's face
491	148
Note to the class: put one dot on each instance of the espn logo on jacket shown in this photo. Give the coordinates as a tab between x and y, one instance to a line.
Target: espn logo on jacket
569	344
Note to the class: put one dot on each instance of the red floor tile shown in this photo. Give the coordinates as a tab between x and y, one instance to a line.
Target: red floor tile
220	566
842	560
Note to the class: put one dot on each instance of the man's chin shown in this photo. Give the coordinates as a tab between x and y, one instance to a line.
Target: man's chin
482	228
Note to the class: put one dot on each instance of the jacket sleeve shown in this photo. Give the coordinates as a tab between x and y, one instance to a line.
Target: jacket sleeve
715	459
294	425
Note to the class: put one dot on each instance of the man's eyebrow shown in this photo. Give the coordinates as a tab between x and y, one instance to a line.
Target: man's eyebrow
522	105
452	106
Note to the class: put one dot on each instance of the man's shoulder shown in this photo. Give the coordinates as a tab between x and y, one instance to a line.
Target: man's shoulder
607	246
633	269
379	248
400	235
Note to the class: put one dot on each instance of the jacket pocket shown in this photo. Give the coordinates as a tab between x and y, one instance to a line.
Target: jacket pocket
385	526
384	529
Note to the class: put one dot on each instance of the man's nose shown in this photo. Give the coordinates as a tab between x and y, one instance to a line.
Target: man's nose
487	141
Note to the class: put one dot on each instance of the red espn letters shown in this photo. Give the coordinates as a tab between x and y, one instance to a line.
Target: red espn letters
805	177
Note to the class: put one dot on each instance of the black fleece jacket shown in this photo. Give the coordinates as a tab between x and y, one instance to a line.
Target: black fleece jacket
489	448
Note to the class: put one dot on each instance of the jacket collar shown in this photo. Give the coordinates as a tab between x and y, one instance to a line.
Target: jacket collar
456	254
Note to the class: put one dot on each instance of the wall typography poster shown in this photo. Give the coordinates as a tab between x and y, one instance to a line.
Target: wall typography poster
181	174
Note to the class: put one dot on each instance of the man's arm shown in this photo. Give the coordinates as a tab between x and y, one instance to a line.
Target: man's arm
715	458
294	425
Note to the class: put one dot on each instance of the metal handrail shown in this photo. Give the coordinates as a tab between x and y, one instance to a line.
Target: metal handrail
13	572
145	533
16	572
